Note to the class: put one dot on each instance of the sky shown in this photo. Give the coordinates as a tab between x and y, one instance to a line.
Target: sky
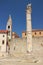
17	10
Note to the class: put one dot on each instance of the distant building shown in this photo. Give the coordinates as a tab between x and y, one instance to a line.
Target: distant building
35	33
14	35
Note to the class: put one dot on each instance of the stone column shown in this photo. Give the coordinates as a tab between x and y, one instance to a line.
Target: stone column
29	28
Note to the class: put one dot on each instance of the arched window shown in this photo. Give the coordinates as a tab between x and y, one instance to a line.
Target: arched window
40	33
25	33
3	35
35	33
2	41
8	27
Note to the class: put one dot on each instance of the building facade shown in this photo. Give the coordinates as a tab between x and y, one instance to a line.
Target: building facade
3	41
35	33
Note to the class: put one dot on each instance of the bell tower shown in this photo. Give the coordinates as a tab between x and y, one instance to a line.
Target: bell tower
9	27
29	28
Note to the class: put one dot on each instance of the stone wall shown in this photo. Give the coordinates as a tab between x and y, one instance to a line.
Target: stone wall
18	45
